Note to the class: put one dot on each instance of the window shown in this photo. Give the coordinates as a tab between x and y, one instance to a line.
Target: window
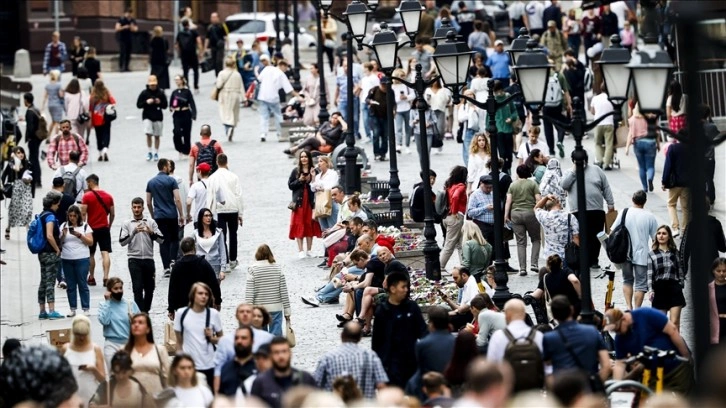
246	26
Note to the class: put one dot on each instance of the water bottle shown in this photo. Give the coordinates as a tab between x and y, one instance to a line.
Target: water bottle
602	236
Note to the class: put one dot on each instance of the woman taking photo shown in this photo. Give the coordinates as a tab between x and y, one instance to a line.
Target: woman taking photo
480	152
53	98
302	225
114	315
76	237
85	358
645	148
183	379
122	389
18	173
230	91
455	190
266	286
184	111
76	103
150	360
210	242
325	179
100	98
159	57
666	275
717	301
522	196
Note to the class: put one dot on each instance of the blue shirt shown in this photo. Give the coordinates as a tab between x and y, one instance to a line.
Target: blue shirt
114	317
162	188
646	330
478	203
341	81
584	341
499	64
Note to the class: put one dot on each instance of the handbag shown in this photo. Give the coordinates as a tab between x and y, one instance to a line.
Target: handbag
436	138
290	335
323	204
83	115
169	338
596	384
216	91
8	190
548	300
292	206
110	113
572	250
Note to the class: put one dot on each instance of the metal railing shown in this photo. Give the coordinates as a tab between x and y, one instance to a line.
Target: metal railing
711	83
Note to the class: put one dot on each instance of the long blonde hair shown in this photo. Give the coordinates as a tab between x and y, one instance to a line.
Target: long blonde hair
474	147
470	231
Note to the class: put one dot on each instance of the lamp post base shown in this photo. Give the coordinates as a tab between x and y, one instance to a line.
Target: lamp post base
501	292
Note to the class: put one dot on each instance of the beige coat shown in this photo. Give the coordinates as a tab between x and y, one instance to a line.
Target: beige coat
231	94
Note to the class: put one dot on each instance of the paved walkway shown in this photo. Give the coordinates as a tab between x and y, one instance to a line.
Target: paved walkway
263	170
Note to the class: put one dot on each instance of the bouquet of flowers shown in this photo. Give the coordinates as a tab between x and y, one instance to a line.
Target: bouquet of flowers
424	292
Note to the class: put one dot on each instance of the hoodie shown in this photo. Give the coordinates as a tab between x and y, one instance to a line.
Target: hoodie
153	111
186	272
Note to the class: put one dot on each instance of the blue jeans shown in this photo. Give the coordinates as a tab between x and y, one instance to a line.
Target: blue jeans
266	109
60	276
645	151
76	271
366	118
468	136
328	293
326	222
343	108
275	323
380	139
403	128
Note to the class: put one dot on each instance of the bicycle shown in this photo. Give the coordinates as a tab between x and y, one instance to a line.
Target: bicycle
652	359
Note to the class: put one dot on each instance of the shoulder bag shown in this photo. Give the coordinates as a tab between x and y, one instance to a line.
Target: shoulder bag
82	113
161	377
548	300
216	91
290	335
100	200
572	250
596	384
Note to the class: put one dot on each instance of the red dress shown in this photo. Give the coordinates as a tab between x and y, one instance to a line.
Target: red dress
302	224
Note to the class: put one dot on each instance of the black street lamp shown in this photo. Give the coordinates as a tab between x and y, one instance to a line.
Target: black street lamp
533	72
650	74
613	64
518	46
356	19
277	28
296	66
442	32
385	45
452	59
323	115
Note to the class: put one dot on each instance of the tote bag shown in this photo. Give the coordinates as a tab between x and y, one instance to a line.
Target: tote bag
323	204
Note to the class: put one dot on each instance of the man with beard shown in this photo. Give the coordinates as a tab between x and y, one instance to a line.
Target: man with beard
272	384
236	371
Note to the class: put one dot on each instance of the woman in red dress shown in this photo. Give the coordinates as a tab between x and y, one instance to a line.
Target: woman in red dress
302	224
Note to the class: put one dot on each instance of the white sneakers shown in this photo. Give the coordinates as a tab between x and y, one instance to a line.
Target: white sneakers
301	254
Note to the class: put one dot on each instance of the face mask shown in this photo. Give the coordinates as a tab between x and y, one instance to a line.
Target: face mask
66	132
117	295
241	351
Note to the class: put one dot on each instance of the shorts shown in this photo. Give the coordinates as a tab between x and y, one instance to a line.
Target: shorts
102	238
153	128
380	298
667	294
635	276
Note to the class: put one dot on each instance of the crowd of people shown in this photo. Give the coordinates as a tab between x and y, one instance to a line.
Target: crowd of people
464	351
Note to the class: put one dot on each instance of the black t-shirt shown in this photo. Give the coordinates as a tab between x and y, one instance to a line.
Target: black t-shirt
66	202
377	268
216	36
125	34
558	284
187	41
93	66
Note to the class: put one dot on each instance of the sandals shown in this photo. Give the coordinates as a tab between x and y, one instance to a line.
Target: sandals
345	317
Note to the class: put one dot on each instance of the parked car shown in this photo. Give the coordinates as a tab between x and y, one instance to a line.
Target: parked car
261	26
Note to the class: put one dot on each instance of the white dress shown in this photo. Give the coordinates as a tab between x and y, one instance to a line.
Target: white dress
87	383
230	96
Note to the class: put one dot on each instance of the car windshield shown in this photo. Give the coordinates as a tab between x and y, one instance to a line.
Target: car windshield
246	26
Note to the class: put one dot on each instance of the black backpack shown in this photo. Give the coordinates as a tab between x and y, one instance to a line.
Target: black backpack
617	245
70	182
207	154
206	323
526	361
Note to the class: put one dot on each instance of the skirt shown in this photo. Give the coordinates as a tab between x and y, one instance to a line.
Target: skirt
677	123
20	210
667	294
302	224
56	112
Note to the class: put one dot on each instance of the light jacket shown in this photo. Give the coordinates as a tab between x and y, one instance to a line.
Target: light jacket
141	245
217	255
115	318
230	185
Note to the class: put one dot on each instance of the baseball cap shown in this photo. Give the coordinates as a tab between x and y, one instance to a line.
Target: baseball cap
204	167
262	351
58	182
498	42
551	23
264	57
613	318
486	179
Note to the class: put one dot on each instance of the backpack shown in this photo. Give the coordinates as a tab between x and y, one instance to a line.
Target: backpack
206	323
207	154
554	91
42	132
442	204
187	43
69	181
526	361
368	212
617	244
36	233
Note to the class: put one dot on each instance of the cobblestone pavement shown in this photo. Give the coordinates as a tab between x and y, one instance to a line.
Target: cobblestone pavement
263	170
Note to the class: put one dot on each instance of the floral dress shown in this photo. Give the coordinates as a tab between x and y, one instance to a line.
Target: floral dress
21	204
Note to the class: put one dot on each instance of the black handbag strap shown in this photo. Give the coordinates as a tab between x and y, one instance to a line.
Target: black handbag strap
569	229
569	350
100	200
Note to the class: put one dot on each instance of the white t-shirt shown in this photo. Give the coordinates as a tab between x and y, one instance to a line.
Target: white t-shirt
681	108
620	9
367	83
198	396
535	9
271	80
515	10
402	105
541	144
480	86
471	289
73	247
198	194
195	343
602	105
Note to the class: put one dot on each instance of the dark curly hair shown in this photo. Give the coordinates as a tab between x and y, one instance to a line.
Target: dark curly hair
38	374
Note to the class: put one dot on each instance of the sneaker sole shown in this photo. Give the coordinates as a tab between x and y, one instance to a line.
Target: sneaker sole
309	303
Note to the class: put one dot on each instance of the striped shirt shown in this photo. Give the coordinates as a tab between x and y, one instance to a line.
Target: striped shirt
362	364
664	265
266	286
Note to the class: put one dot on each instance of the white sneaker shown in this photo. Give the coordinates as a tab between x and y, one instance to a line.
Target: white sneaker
311	301
408	151
398	148
307	254
301	254
263	137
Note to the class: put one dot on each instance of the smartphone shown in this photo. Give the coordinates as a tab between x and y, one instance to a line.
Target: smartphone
70	229
82	367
